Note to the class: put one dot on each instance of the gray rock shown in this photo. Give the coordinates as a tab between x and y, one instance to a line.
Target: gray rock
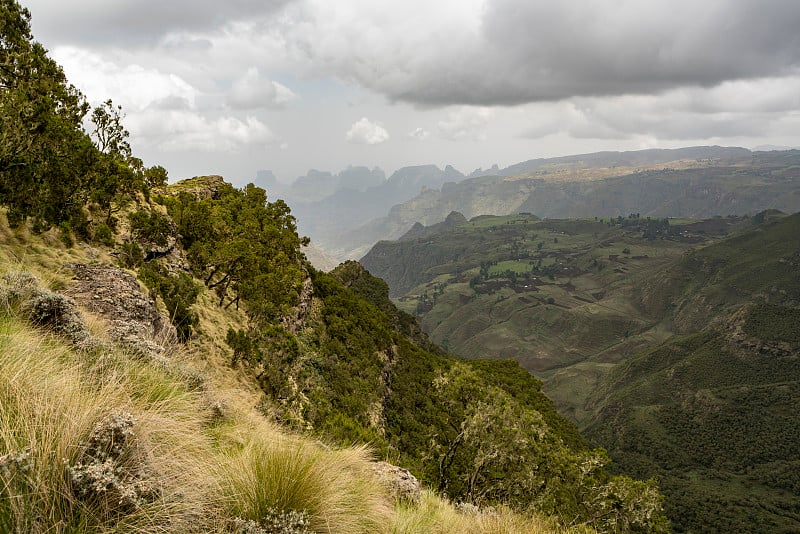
116	296
403	485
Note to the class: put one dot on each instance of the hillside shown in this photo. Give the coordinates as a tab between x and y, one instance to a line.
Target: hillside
109	428
697	182
171	362
720	400
665	339
228	390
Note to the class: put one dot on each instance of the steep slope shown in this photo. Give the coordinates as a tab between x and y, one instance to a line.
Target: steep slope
713	414
332	355
99	435
674	346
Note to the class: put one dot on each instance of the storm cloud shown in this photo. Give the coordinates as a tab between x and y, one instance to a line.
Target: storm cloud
520	51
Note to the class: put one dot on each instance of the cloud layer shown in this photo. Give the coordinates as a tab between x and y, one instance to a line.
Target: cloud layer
253	75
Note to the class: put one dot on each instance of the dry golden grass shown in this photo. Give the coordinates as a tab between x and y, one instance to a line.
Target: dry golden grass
204	466
270	470
50	404
436	516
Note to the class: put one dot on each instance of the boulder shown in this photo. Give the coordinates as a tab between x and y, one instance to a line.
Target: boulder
403	485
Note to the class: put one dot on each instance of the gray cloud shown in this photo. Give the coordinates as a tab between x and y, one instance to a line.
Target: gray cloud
508	52
140	22
539	50
575	76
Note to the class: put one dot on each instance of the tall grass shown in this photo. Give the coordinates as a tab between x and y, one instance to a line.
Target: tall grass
335	488
436	516
49	410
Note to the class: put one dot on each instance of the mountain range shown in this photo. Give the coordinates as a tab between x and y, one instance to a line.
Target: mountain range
686	182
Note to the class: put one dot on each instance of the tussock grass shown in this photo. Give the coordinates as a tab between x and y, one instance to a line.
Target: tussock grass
334	487
49	409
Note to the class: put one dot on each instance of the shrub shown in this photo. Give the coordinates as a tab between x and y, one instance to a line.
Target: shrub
130	255
275	522
57	313
103	235
179	292
65	234
151	226
110	474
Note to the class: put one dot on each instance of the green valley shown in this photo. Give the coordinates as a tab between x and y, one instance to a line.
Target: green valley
672	343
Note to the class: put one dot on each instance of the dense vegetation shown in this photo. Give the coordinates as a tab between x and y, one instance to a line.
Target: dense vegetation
51	170
359	370
681	362
719	403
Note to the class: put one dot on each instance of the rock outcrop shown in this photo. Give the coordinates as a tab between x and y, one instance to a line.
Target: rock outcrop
116	296
403	485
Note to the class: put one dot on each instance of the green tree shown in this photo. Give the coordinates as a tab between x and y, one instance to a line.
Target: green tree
117	175
246	249
44	153
109	135
493	449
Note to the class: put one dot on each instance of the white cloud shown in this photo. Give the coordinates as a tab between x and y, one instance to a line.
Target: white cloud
367	132
177	131
420	134
133	86
466	122
252	91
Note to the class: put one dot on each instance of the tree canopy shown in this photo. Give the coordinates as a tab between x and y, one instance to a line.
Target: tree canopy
50	168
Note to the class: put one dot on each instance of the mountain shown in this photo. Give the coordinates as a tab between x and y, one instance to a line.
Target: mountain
673	343
692	182
353	208
633	159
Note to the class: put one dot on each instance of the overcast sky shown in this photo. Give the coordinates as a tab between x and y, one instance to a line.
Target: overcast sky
234	86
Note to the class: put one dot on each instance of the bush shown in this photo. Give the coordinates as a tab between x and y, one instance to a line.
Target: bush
58	314
65	234
110	475
103	235
151	226
275	522
179	292
131	255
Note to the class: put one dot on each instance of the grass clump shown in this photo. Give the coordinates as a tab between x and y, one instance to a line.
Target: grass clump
82	455
287	477
437	516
